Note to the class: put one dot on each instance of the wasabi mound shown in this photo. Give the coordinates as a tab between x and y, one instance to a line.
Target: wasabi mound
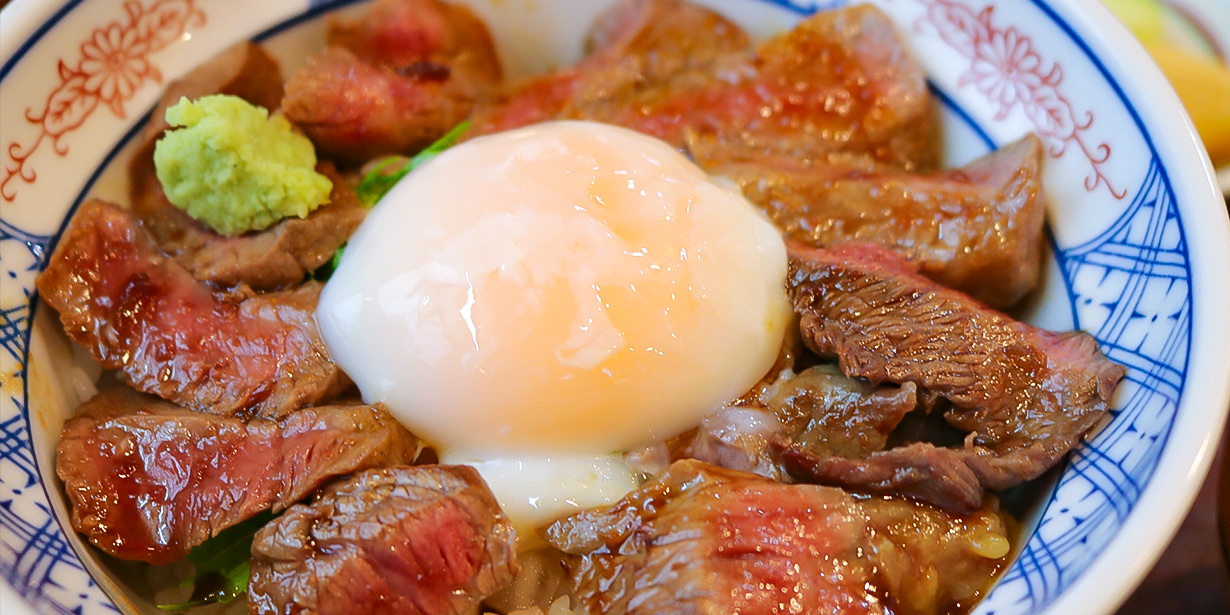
236	169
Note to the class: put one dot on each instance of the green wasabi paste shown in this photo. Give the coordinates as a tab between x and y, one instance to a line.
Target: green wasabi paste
234	168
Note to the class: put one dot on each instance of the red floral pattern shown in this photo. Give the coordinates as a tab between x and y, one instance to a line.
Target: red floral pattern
113	65
1006	69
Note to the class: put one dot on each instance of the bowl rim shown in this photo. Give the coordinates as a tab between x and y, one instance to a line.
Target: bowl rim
22	22
1193	438
1196	433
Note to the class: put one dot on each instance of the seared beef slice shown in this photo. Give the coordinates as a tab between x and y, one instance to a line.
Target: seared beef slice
700	539
826	412
977	229
819	409
842	81
244	70
637	44
406	33
422	540
1026	395
280	256
929	561
277	257
149	480
393	81
135	310
704	540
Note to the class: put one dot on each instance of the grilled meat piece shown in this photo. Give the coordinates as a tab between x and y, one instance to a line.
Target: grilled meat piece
149	480
230	353
818	410
828	413
280	256
354	111
393	81
1027	396
422	540
977	229
245	70
404	34
842	81
701	539
920	470
277	257
739	438
930	561
636	44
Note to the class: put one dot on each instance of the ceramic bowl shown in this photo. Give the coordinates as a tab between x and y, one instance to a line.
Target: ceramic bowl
1138	234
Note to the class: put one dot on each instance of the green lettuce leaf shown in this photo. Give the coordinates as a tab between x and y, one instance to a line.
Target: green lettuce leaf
222	565
381	179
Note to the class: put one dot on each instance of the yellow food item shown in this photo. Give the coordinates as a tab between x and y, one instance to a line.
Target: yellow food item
1143	17
1202	82
235	168
1204	87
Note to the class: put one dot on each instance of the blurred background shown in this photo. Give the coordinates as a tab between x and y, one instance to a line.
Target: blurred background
1190	41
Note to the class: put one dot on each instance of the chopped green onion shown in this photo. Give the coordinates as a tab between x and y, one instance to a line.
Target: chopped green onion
222	565
337	257
381	179
376	183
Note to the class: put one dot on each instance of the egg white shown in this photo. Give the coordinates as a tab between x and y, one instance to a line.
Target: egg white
532	302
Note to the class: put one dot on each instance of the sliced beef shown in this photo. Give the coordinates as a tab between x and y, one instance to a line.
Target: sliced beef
406	34
280	256
245	70
427	540
828	413
393	81
743	438
842	81
277	257
663	37
701	539
822	410
539	99
149	480
977	229
353	110
818	410
229	353
920	470
1027	396
640	44
634	45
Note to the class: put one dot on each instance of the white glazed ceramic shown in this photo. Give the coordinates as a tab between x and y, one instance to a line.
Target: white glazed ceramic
1140	244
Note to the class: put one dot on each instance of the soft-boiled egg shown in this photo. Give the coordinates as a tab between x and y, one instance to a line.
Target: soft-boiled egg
535	301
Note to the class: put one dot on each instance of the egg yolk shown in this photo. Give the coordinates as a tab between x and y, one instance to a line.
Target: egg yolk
566	288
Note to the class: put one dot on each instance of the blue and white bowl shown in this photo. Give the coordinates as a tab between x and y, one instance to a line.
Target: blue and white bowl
1139	237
